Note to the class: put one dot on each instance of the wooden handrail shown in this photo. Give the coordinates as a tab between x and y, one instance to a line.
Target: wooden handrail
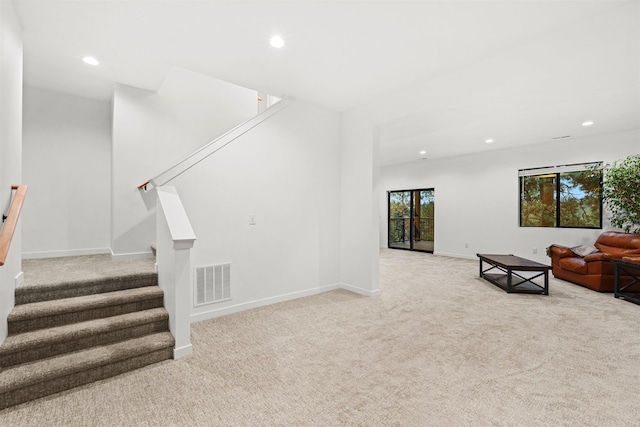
11	221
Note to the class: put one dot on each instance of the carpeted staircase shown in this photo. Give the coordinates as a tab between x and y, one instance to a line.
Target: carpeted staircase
65	335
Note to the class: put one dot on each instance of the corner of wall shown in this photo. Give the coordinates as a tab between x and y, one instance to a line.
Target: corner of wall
10	145
360	234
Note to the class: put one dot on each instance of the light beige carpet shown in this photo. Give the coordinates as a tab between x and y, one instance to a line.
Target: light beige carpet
47	271
439	347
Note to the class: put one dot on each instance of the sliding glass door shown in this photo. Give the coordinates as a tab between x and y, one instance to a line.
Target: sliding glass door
411	219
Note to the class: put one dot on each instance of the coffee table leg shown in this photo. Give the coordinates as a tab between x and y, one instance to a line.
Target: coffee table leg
546	282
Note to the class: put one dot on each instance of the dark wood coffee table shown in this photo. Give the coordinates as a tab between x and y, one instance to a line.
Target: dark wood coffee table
515	274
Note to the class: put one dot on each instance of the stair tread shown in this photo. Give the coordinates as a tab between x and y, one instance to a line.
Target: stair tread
59	270
81	303
26	287
27	374
28	293
44	337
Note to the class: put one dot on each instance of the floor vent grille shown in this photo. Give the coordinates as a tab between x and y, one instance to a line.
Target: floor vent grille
212	284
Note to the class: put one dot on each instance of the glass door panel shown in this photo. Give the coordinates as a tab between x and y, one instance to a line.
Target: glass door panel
400	219
423	221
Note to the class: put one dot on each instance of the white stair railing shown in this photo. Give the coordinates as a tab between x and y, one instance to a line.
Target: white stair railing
196	157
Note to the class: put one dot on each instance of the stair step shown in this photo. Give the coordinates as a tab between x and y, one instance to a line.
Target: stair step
28	294
47	314
42	343
29	381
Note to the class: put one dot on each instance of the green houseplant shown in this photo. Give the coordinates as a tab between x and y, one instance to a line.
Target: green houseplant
621	192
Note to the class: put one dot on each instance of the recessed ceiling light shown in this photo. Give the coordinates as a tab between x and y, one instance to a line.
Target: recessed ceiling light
276	41
588	123
423	152
488	141
90	60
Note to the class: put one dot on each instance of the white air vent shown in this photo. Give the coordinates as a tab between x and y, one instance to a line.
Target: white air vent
212	284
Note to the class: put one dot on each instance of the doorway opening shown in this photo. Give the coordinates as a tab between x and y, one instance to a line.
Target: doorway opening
411	220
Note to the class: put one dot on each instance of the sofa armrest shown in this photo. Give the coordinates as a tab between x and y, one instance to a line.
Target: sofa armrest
599	256
559	251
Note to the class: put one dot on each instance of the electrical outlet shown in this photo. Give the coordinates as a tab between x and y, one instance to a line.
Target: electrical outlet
466	245
534	251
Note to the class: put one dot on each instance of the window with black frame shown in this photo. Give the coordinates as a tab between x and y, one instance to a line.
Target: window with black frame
561	196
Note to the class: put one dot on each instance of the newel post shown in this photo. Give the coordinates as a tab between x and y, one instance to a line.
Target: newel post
175	238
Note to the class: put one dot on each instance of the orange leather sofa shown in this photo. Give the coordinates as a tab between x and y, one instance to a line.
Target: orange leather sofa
594	270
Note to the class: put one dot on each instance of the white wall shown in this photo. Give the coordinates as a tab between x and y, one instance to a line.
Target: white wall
67	165
477	195
358	213
10	147
153	131
286	173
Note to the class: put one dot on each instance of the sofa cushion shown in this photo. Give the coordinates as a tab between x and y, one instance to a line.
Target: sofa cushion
618	244
575	264
601	268
599	256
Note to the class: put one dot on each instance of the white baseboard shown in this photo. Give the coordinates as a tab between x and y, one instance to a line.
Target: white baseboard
361	291
183	351
58	254
260	303
131	255
198	317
